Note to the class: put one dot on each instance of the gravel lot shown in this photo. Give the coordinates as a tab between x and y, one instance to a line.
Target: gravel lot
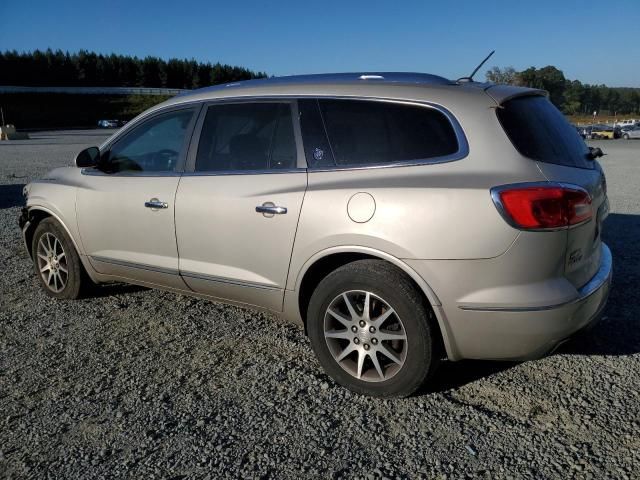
146	384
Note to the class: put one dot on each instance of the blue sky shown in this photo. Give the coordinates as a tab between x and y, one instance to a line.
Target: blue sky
592	41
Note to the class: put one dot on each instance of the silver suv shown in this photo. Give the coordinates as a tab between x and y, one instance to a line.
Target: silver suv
400	218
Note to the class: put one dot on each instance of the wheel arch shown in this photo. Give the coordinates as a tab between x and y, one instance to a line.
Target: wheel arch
37	213
325	261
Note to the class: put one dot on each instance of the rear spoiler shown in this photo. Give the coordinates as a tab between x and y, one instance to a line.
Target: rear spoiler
503	93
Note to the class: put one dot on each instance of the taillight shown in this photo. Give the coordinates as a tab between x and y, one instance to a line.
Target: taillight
543	206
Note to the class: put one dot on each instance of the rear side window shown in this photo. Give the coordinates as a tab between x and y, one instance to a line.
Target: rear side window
365	133
247	136
539	131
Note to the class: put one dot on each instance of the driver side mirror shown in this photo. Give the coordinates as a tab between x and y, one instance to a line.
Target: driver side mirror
595	152
89	157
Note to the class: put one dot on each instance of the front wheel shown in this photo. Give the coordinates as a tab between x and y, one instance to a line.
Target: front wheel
626	136
56	261
371	330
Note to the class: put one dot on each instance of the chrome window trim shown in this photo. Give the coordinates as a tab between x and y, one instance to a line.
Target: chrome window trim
196	106
147	114
463	144
497	201
190	164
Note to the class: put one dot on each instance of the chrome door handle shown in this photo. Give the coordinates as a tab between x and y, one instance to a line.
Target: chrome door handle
271	209
154	203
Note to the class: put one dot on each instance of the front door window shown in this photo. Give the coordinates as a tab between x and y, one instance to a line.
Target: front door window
154	146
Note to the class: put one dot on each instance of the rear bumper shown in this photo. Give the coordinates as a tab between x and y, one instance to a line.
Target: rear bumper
523	333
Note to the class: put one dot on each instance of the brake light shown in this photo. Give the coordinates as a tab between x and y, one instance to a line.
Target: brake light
543	206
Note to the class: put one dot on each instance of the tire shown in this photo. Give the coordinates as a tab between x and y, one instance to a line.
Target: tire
626	136
403	365
53	253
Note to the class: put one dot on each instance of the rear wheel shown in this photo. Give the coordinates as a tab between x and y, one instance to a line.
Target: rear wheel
56	261
371	330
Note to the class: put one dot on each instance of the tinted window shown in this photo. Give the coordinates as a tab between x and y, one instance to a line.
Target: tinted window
539	131
370	132
316	146
154	146
247	136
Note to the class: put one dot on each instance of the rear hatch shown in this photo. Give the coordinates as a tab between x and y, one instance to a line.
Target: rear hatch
541	133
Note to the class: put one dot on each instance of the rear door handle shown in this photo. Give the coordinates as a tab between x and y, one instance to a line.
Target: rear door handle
154	204
269	208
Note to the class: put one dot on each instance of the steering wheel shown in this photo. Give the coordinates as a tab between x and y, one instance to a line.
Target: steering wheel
167	155
166	152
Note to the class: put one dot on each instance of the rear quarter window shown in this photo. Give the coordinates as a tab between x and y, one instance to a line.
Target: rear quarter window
540	132
364	132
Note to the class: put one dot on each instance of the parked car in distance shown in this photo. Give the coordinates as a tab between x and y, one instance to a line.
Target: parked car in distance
617	132
627	123
111	123
632	132
601	132
400	218
108	124
585	131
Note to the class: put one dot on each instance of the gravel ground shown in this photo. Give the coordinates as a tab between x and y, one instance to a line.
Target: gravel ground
147	384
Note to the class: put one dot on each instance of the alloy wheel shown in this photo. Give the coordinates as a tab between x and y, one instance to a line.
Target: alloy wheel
52	262
365	336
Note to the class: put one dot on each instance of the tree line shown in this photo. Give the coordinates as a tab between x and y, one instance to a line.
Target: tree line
84	68
571	96
89	69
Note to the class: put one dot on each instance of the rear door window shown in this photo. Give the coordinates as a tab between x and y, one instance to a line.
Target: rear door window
539	131
247	136
364	132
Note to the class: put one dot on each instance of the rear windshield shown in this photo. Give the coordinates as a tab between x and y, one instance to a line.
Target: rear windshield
539	131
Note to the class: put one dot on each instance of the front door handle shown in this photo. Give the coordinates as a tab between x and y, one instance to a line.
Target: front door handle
154	204
269	208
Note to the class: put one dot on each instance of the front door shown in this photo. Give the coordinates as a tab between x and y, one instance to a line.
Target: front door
125	206
237	211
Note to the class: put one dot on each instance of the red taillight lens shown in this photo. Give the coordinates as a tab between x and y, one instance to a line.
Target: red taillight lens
540	207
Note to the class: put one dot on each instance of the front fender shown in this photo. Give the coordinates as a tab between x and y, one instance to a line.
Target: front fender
51	212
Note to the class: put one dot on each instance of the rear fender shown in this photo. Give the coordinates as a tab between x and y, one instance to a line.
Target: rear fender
422	284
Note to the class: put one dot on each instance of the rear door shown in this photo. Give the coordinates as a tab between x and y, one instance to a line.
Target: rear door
541	133
237	208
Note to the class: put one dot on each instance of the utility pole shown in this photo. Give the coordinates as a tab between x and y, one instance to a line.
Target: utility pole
2	113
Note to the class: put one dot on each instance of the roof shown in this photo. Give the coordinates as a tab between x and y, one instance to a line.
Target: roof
355	78
374	84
